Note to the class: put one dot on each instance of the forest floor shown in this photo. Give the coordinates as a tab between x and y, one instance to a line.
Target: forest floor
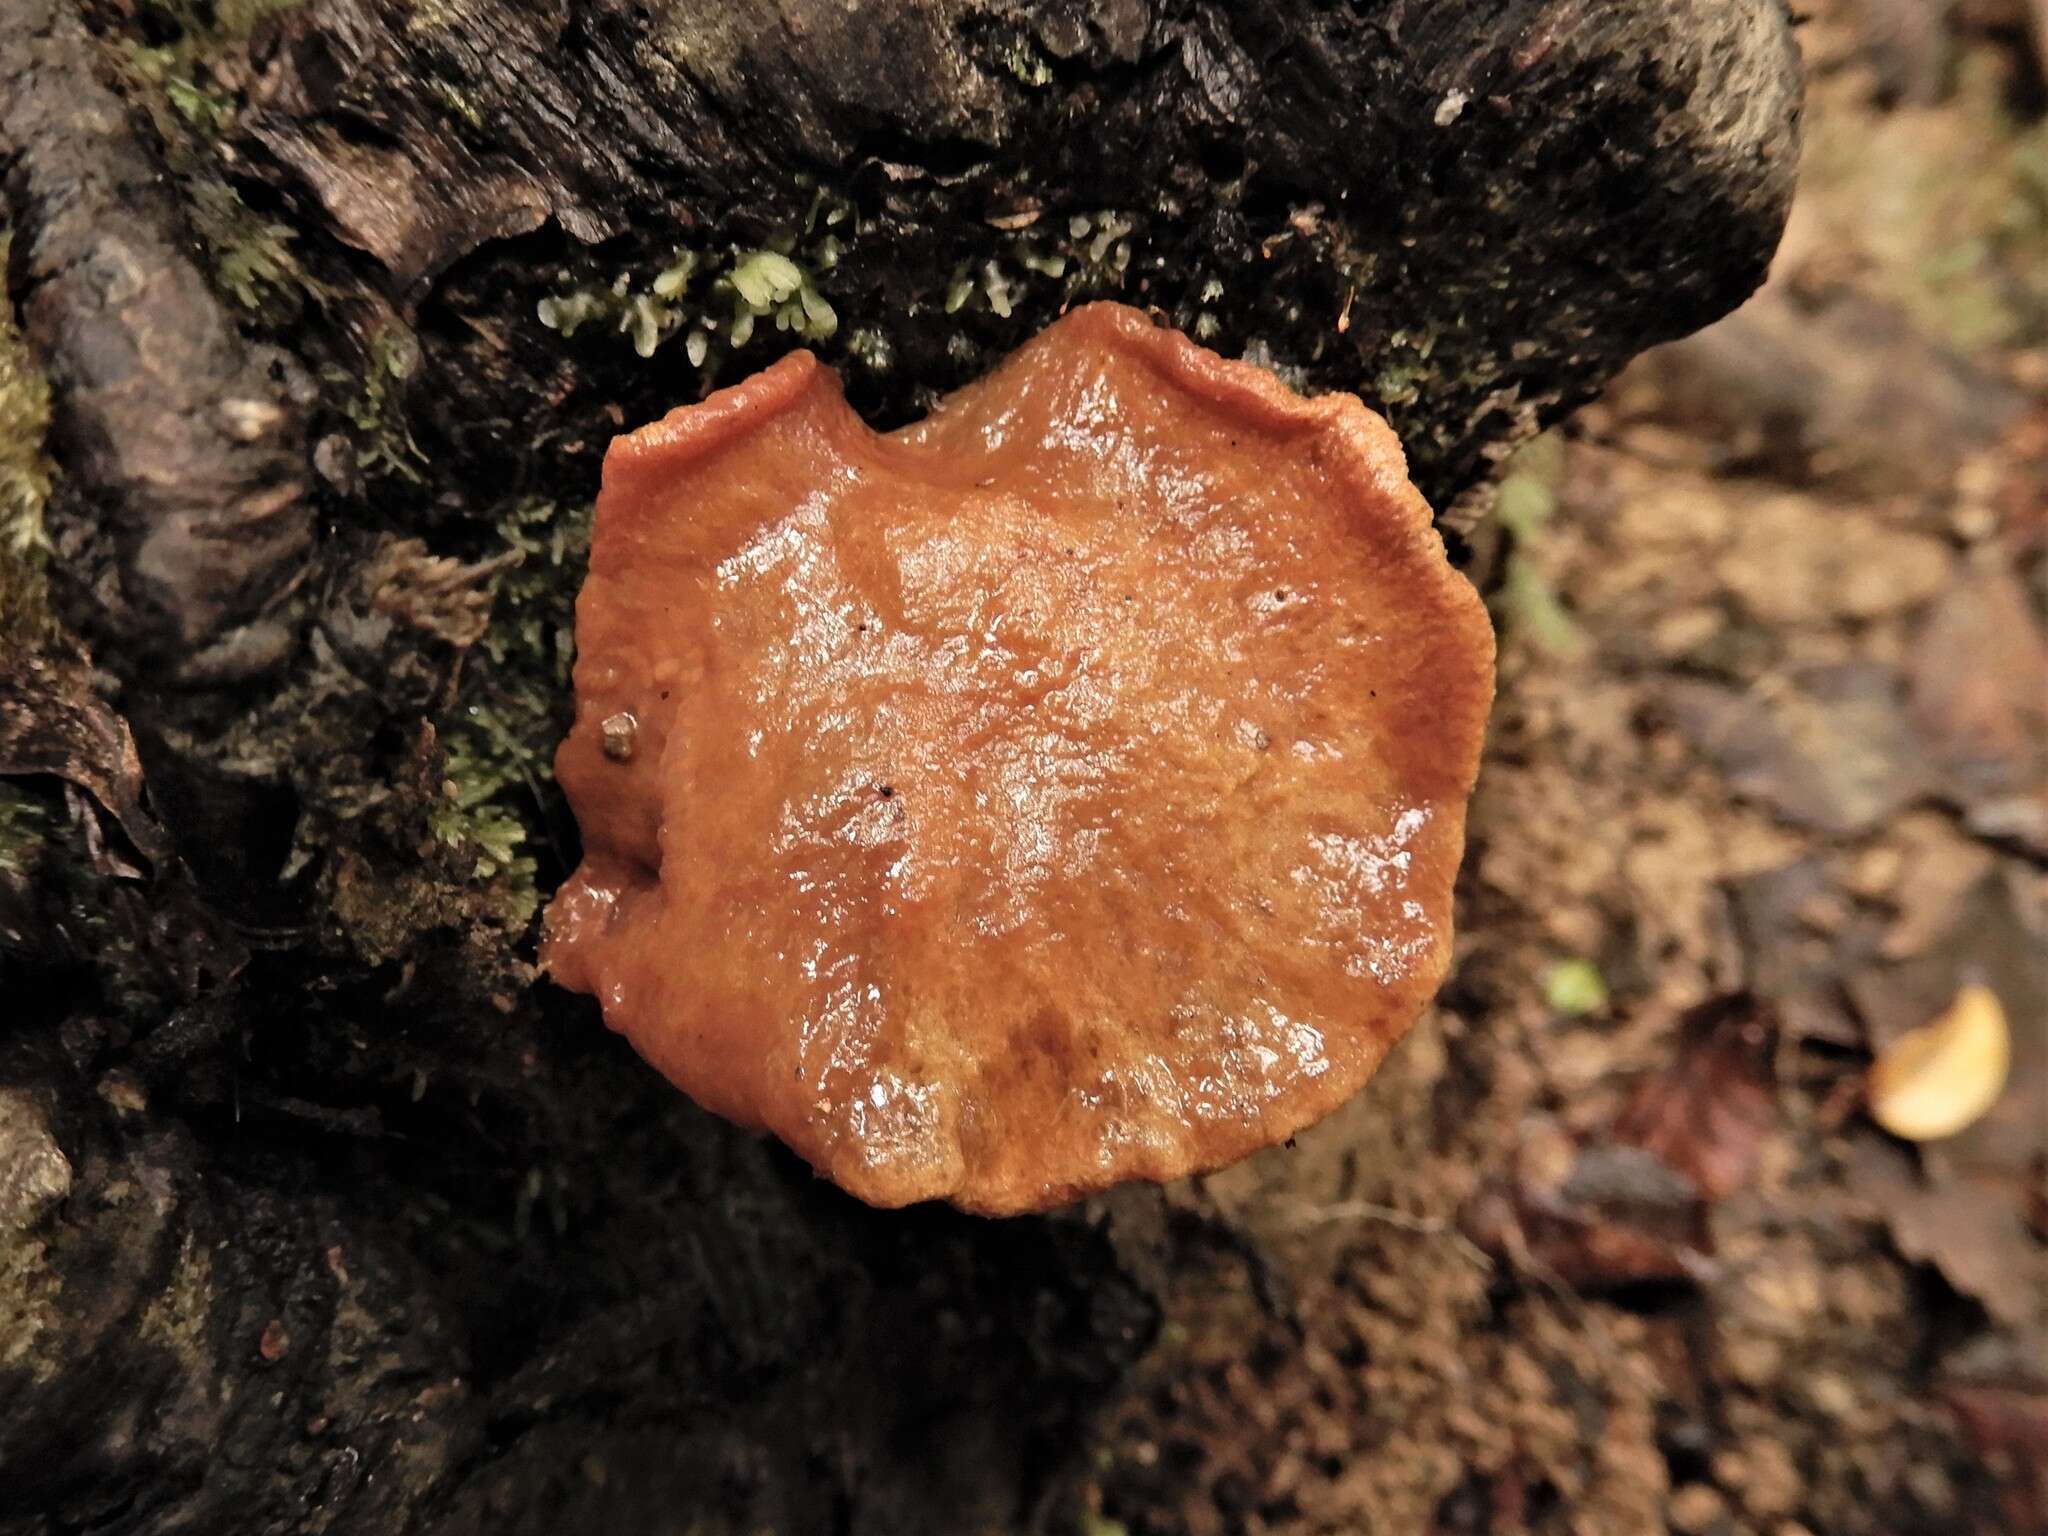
1613	1246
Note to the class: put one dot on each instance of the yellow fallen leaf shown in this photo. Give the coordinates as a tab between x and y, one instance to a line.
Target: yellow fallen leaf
1938	1079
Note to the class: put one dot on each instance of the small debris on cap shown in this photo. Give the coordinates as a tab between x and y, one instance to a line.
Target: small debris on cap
617	733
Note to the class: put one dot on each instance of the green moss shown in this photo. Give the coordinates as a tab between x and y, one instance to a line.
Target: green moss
1023	60
24	485
1406	373
376	406
201	29
235	20
252	257
471	820
193	107
1399	383
204	110
1528	486
500	740
167	67
458	101
182	68
533	620
1526	604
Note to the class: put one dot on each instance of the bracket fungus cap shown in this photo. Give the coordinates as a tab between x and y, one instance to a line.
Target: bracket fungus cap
1064	789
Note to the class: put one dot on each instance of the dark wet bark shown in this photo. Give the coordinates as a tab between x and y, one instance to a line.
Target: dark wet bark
316	1212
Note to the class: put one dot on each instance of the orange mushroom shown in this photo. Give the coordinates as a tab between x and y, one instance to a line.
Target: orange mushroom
1064	789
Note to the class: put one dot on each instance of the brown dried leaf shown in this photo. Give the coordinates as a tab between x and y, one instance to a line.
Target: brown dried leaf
1849	393
53	722
1940	865
1706	1115
1794	950
1979	677
1620	1217
1973	1233
2008	1427
1632	1206
1830	748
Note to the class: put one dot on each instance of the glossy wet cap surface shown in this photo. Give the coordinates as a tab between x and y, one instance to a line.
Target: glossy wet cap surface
1062	790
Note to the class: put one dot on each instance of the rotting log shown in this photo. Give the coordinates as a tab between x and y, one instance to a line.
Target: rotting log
316	1210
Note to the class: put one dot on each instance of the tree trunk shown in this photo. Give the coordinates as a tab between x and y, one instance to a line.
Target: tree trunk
317	1211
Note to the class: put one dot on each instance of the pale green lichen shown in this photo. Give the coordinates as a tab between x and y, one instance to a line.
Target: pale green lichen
744	288
570	312
720	300
1044	264
740	287
872	349
767	283
674	279
989	282
959	289
1087	254
541	1186
765	278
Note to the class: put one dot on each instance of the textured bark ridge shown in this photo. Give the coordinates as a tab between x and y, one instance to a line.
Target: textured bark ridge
191	465
314	1212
